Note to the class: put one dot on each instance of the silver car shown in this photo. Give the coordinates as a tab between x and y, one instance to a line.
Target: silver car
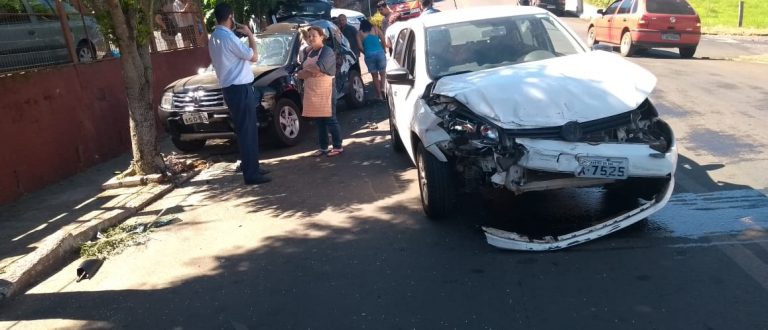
31	35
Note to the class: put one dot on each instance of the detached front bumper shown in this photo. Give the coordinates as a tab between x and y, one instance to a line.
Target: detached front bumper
514	241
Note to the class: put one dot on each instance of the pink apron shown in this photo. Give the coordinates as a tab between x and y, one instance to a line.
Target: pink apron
318	93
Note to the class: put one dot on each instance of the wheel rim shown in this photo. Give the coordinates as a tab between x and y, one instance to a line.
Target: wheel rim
591	37
85	54
358	88
423	180
626	40
289	122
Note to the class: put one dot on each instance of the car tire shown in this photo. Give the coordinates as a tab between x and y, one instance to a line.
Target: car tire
435	184
188	146
627	47
356	94
286	122
687	52
397	143
591	37
85	52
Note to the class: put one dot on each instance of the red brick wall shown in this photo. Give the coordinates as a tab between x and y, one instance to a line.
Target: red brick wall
58	122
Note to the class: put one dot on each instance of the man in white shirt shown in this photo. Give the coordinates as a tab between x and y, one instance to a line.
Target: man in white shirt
232	61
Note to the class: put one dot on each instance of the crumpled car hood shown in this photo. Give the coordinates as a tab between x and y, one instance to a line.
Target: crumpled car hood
552	92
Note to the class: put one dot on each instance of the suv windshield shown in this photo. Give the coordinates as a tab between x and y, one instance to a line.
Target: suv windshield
318	9
489	43
274	49
673	7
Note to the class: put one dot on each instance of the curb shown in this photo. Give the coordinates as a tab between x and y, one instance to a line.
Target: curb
58	249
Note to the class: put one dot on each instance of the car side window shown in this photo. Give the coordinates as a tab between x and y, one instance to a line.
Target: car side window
410	62
43	10
634	6
612	8
400	46
626	7
13	12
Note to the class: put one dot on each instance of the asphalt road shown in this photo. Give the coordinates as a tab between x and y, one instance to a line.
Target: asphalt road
342	242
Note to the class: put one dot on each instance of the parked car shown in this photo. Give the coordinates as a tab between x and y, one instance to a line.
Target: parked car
353	17
193	110
31	35
508	98
301	12
557	7
638	25
406	8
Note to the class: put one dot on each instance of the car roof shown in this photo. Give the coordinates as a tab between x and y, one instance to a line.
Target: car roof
476	13
335	12
286	27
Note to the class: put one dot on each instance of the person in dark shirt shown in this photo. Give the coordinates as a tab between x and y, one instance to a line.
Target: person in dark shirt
350	33
426	6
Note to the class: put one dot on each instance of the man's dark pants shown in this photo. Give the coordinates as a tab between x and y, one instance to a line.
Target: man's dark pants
242	101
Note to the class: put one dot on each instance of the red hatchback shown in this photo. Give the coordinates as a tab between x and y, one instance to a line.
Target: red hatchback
641	24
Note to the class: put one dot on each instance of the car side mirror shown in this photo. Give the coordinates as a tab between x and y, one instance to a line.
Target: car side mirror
399	76
600	12
603	47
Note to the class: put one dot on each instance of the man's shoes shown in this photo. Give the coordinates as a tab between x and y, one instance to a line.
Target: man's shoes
258	180
264	171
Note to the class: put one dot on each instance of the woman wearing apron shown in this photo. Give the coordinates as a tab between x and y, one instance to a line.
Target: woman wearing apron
318	66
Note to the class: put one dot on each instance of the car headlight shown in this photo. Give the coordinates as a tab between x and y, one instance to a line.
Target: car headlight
489	133
167	101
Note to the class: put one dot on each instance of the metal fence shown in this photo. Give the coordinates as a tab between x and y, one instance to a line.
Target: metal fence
32	33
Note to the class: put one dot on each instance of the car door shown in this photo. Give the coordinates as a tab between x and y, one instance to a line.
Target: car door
400	101
603	24
15	33
621	20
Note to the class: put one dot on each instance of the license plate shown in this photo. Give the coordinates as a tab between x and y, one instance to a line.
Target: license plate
550	7
670	36
602	167
194	118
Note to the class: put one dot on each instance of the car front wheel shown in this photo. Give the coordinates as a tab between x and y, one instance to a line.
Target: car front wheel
356	94
286	122
188	146
591	37
435	184
85	51
627	45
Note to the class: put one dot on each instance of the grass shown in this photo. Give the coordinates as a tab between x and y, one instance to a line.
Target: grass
722	16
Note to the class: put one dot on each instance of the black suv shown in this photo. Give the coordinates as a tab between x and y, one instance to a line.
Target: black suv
193	110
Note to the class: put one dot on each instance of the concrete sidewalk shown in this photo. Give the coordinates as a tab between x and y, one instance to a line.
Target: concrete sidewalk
44	230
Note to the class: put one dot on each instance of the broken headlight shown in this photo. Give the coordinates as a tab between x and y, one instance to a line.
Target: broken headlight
489	133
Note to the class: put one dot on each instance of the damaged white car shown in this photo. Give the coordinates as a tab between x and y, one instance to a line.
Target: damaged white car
509	98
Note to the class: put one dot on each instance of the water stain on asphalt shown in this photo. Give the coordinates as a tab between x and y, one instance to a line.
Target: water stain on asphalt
720	144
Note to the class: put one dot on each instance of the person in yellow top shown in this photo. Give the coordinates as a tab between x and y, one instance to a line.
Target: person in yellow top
318	68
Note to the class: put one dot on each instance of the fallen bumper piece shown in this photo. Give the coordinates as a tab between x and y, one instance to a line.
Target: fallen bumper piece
514	241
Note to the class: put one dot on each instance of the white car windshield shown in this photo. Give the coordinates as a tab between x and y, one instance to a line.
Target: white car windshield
489	43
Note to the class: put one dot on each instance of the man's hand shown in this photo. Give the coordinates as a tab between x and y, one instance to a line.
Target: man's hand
244	30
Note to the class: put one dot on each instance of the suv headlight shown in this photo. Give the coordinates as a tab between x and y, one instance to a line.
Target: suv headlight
167	101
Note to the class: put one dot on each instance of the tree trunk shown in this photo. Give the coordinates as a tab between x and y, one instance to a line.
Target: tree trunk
137	75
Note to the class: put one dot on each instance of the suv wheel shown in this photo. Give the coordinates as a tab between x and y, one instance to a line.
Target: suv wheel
188	146
286	122
435	184
356	94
